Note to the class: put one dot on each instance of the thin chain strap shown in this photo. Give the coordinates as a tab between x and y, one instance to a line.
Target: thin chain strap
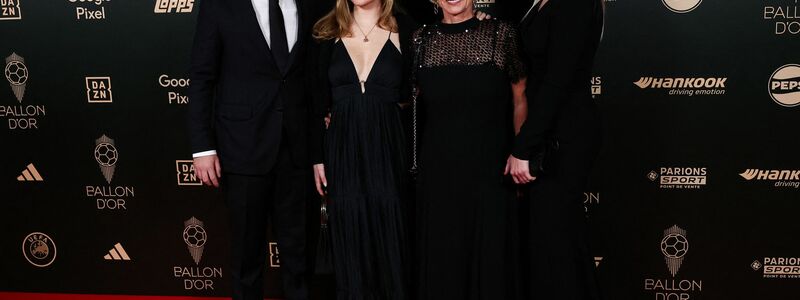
418	48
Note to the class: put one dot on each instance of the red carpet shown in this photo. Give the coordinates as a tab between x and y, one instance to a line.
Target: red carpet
43	296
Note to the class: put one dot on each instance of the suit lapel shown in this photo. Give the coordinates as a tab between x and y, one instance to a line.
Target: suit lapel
254	30
301	33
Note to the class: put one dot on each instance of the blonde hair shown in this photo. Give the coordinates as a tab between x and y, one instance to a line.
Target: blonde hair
336	24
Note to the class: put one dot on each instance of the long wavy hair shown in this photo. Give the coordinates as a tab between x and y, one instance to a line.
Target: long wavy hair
336	24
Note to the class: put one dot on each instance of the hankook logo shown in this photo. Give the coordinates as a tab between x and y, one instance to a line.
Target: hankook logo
681	6
784	85
685	83
684	86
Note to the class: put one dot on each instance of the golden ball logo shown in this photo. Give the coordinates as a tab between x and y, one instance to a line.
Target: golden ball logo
784	85
681	6
674	245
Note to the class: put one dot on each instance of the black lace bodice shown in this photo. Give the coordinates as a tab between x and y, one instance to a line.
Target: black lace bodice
470	43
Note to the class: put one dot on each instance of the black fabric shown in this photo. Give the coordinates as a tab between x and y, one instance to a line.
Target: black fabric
254	201
318	64
278	41
559	43
466	226
243	105
364	159
237	87
560	263
365	163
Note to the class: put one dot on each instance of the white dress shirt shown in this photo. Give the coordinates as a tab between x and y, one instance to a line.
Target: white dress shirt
290	19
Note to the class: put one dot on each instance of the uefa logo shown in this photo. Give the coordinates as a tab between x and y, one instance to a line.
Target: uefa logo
39	249
784	85
681	6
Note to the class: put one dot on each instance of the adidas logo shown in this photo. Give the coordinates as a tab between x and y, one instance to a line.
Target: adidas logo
30	174
117	253
597	260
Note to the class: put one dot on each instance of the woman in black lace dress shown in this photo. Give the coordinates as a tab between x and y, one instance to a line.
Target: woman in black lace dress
470	83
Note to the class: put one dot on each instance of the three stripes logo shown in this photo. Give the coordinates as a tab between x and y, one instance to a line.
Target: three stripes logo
117	253
30	174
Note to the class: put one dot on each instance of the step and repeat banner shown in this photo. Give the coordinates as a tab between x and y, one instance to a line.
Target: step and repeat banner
695	196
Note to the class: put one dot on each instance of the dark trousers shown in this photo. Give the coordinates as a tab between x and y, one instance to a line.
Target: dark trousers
560	265
254	201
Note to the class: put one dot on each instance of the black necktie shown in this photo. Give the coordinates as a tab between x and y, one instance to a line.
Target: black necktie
277	36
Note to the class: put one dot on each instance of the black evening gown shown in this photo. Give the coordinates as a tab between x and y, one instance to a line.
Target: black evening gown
560	41
365	166
465	203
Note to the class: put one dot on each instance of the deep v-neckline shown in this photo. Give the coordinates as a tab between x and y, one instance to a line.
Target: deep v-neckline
374	62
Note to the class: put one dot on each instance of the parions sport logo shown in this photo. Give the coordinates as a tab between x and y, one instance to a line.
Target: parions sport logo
681	6
684	86
679	177
778	267
780	178
784	85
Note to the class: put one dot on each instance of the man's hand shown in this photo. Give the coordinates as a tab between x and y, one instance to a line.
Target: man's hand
519	170
208	169
482	15
319	179
327	120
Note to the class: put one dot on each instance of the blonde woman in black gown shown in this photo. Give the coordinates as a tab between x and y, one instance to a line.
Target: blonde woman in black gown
359	156
470	82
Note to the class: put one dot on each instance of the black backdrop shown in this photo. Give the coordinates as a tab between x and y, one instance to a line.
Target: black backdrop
695	196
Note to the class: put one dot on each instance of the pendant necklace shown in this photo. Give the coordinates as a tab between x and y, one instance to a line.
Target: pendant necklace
366	39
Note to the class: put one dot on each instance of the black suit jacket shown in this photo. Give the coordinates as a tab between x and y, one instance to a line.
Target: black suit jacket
559	43
240	103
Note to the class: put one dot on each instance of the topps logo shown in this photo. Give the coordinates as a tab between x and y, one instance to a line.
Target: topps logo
680	83
679	178
173	6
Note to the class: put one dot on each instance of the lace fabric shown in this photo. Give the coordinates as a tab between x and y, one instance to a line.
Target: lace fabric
472	43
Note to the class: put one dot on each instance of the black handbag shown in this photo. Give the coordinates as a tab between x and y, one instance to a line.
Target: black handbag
324	259
540	161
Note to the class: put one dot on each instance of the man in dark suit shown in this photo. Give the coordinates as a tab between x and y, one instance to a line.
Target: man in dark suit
248	128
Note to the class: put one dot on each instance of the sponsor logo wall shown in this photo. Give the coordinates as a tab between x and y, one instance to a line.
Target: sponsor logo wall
694	196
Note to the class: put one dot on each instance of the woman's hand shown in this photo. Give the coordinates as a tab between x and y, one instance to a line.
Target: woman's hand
319	179
482	15
327	120
519	170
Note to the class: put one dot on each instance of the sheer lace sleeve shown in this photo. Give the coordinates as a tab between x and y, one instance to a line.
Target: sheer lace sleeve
509	59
